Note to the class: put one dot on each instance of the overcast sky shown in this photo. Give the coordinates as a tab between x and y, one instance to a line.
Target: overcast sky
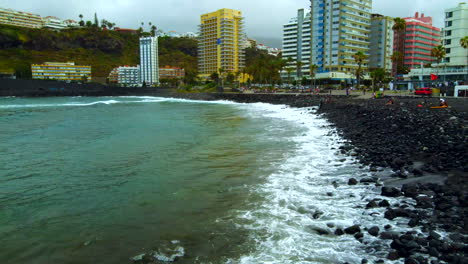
264	18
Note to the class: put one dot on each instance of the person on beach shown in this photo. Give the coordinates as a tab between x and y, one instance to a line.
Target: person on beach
390	102
443	103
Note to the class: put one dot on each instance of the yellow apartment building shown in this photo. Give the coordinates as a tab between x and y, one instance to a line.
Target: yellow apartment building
221	42
62	71
20	19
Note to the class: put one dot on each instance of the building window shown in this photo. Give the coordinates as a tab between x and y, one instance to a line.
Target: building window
448	42
448	14
447	50
448	23
448	33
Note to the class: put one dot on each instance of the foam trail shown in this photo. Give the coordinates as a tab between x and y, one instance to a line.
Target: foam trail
299	199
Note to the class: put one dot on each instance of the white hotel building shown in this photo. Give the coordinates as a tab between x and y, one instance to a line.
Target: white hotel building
149	61
336	30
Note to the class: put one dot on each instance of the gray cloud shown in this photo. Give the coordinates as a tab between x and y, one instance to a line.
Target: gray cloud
264	18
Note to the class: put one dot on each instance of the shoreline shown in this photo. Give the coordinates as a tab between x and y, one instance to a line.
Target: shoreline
426	149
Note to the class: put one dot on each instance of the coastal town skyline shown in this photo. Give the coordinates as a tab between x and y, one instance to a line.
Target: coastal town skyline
258	25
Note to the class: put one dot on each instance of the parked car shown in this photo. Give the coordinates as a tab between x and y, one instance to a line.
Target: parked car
423	91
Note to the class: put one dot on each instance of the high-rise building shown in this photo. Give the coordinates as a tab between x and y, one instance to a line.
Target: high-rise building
381	42
125	75
63	71
296	44
420	38
221	40
20	19
456	27
334	31
149	61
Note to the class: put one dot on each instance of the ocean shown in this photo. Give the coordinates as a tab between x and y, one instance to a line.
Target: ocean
108	179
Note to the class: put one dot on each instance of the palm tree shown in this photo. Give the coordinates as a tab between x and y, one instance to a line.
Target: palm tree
299	69
221	75
359	57
438	53
464	42
313	68
377	75
399	29
289	70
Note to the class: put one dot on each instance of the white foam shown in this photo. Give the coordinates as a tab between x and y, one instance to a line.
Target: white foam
282	226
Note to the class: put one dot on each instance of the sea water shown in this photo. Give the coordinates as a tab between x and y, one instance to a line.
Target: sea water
108	179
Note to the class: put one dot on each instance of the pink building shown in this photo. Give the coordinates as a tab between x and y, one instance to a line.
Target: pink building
420	38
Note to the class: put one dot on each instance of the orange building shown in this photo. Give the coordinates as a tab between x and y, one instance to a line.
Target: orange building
169	72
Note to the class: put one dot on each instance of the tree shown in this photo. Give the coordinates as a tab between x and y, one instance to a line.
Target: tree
153	30
438	53
215	77
359	57
313	68
230	77
378	75
82	23
299	69
399	29
221	75
464	42
96	21
89	24
289	70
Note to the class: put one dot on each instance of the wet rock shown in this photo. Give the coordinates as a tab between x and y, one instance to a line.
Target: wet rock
321	231
364	261
434	235
353	230
317	214
388	227
372	204
398	212
434	252
384	203
411	260
389	235
374	231
352	181
390	192
369	180
339	232
359	235
393	255
330	225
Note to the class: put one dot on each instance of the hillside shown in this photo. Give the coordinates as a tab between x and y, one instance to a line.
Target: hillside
102	49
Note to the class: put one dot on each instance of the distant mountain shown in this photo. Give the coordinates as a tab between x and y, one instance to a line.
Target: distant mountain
270	42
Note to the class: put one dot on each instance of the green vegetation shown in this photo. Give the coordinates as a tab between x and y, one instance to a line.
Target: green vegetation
102	49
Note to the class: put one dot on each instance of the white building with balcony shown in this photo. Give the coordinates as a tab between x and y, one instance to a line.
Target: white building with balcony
456	27
381	42
149	61
54	23
328	36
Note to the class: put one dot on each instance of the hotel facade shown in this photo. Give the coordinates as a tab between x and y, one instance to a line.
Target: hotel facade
20	19
420	38
221	39
62	71
149	61
381	42
328	36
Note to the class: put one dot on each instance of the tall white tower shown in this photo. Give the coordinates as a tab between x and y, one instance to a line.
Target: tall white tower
149	61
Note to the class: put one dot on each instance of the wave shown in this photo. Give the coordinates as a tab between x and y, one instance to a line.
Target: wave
308	194
115	100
